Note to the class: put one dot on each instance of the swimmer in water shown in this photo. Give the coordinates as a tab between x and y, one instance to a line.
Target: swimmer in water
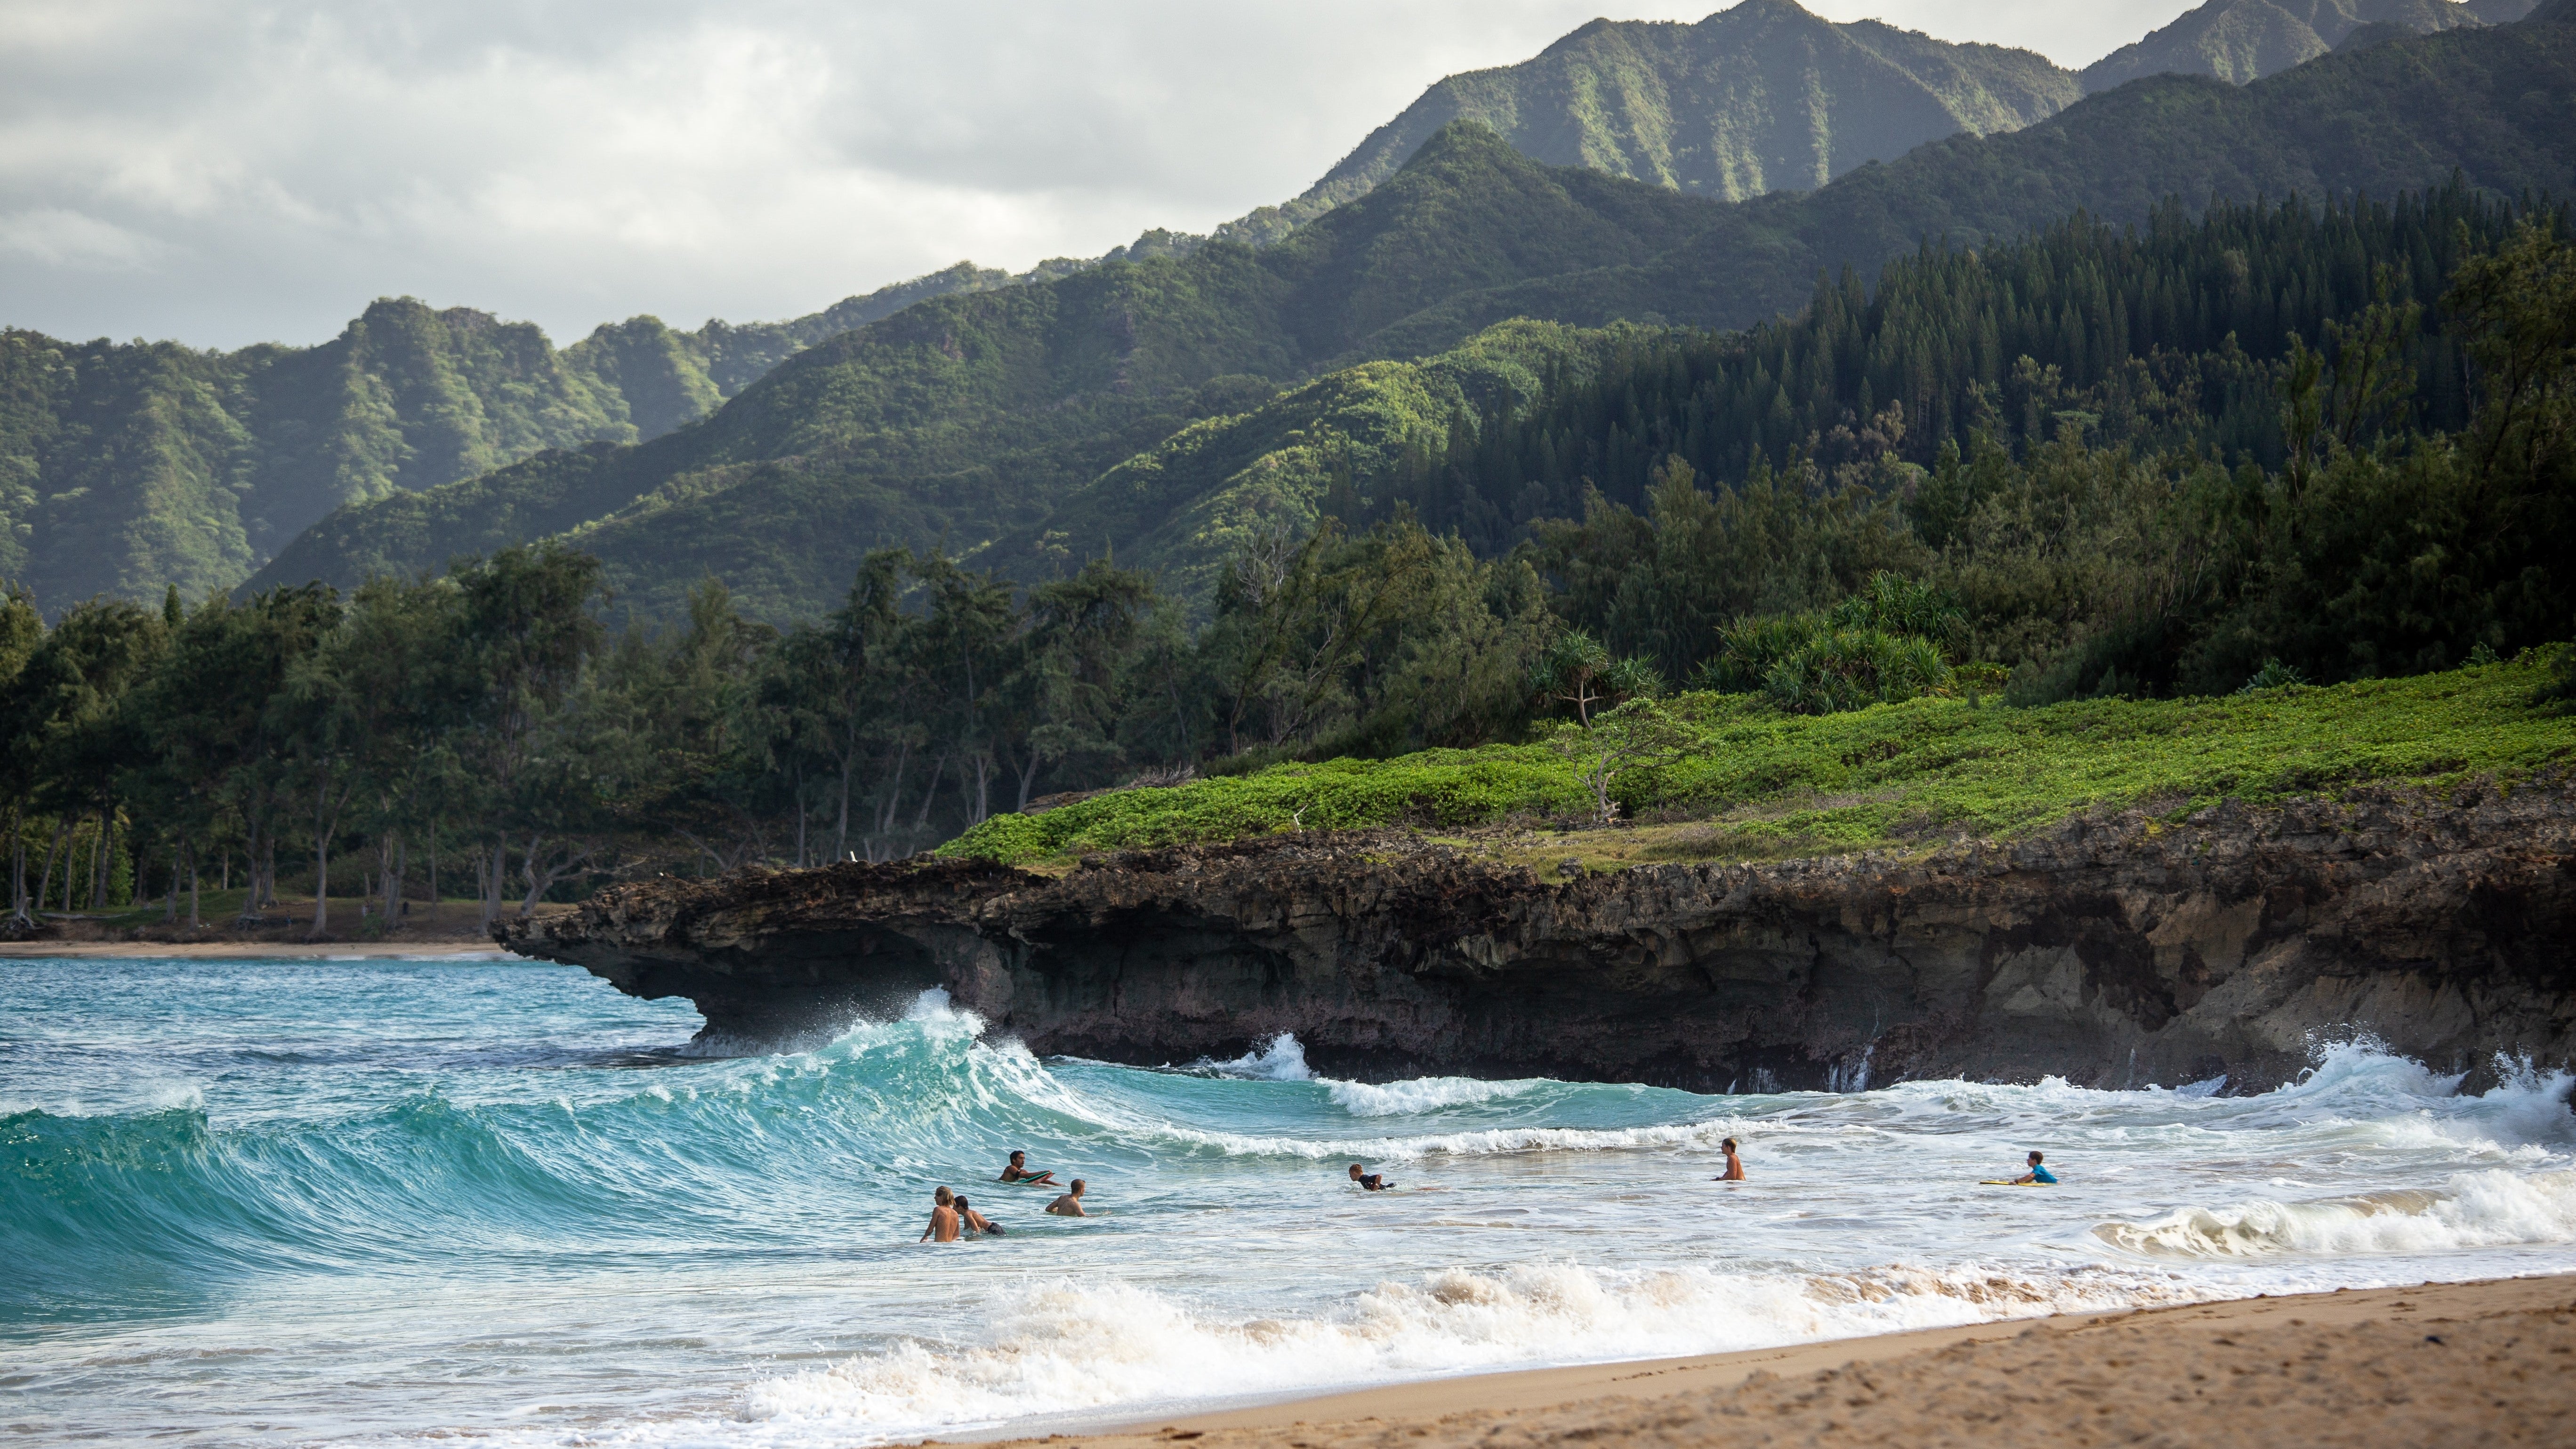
1069	1205
975	1223
1373	1181
1734	1164
2038	1171
1017	1170
943	1218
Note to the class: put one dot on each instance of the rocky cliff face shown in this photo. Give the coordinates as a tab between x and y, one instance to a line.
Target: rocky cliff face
2113	951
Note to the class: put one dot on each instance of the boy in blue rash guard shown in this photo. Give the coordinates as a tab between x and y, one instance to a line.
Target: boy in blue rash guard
2037	1173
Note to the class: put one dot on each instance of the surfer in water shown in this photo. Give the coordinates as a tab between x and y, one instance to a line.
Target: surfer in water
1734	1164
2038	1171
1017	1170
943	1218
975	1223
1373	1181
1070	1204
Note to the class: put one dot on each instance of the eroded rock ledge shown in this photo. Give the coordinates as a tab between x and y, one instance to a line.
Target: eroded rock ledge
2112	951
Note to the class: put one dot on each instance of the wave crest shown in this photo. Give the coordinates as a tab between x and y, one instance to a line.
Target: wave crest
2489	1209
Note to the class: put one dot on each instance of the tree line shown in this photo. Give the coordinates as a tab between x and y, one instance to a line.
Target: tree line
2143	500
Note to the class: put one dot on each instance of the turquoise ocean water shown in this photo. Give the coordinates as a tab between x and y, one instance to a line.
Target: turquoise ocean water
390	1201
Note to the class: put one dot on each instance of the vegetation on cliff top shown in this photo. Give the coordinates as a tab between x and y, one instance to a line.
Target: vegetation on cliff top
1757	782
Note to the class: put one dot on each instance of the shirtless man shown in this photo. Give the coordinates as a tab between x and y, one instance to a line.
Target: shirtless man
975	1223
943	1219
1069	1205
1734	1164
1373	1181
1018	1171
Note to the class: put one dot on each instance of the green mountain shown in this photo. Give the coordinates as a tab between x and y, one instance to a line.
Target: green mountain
2245	40
125	467
972	417
2495	105
1762	97
1039	424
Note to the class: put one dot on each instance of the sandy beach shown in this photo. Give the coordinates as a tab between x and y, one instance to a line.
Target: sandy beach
240	950
449	928
2442	1364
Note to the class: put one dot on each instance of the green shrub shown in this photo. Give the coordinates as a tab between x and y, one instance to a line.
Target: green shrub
1776	782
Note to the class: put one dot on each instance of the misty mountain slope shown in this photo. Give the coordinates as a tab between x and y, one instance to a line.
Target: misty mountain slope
126	467
2495	105
971	417
2244	40
1762	97
1125	407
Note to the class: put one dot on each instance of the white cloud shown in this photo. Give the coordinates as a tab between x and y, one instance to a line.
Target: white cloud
229	171
51	237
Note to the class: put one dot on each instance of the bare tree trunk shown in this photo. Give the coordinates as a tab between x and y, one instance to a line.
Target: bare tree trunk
536	885
841	832
104	859
321	859
170	907
195	921
268	874
18	864
1028	776
930	792
45	884
97	866
392	873
494	874
433	862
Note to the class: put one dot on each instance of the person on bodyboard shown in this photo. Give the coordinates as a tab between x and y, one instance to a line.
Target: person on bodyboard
1017	1171
1373	1181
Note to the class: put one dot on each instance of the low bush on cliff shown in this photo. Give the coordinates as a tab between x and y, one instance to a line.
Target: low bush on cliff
1769	783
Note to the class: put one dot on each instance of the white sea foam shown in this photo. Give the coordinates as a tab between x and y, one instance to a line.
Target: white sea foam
2488	1209
1068	1346
1282	1060
1425	1094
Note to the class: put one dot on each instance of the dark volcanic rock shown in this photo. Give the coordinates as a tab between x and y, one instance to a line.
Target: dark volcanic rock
2112	951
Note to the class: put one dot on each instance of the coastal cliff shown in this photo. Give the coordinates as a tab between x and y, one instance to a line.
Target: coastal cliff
2111	951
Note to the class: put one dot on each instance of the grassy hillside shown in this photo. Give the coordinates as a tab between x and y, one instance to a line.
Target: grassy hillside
1762	97
2245	40
1759	784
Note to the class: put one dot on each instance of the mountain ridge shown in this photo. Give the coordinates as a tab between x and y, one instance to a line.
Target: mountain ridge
785	526
2240	41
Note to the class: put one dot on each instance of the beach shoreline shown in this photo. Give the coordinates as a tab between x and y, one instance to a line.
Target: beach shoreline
2352	1346
43	950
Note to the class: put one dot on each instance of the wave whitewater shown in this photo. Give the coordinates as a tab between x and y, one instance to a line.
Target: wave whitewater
1068	1346
751	1218
2475	1210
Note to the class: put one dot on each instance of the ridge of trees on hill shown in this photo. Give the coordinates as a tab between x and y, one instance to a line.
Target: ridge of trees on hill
2382	487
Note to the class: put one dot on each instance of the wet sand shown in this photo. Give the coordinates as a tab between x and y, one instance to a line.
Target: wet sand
2490	1363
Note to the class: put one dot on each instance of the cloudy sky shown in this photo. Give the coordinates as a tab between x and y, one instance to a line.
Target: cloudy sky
232	171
